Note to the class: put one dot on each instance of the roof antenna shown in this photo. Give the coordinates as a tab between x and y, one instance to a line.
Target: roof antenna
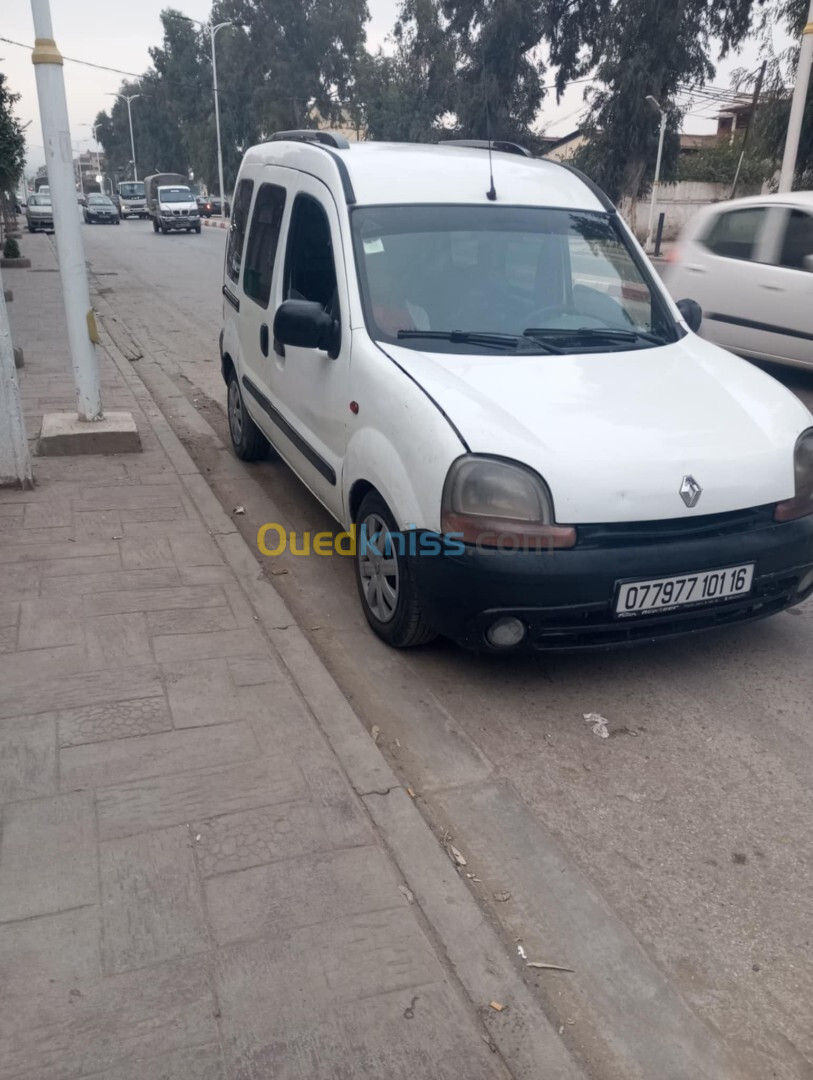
491	194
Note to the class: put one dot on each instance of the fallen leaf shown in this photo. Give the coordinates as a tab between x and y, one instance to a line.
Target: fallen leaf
456	856
375	731
239	510
495	1005
407	893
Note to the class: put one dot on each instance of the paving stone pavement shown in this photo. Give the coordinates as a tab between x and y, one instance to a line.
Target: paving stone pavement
189	887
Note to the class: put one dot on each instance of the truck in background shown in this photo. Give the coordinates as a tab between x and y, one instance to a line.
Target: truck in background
170	203
132	199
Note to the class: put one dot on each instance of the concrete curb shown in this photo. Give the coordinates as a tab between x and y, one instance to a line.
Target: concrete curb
522	1034
215	224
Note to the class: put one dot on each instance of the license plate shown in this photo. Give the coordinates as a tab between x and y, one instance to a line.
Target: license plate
683	590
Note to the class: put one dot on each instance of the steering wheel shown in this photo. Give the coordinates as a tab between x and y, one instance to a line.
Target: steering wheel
542	315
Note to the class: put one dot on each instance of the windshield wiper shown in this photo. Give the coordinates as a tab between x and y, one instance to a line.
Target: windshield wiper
593	333
478	337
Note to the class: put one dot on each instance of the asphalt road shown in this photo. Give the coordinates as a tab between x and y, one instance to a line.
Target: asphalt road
669	866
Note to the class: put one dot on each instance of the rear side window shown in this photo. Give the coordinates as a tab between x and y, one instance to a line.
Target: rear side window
734	235
797	244
237	232
263	239
310	270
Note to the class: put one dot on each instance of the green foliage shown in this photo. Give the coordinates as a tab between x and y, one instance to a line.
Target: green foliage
650	47
11	249
12	139
718	165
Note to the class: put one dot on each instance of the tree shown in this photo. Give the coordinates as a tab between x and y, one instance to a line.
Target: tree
299	57
717	164
655	47
12	140
771	123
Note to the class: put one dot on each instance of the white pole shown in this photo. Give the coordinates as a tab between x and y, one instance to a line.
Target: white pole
650	242
132	140
15	462
59	160
797	109
212	31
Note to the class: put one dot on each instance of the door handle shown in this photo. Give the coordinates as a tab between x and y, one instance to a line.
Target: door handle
772	288
264	339
695	269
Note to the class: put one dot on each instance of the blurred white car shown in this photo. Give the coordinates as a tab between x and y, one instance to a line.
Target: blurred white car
749	264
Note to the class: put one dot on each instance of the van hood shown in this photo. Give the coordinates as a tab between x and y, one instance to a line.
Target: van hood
614	434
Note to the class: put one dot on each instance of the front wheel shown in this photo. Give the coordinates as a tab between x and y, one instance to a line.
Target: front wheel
197	228
384	578
154	225
248	441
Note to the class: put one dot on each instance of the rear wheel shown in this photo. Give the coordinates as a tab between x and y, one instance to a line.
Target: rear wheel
248	441
384	578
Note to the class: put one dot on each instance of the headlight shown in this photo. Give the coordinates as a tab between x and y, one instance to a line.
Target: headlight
500	504
802	503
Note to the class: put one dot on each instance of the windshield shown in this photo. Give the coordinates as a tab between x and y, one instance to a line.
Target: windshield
99	200
566	279
40	200
178	194
134	190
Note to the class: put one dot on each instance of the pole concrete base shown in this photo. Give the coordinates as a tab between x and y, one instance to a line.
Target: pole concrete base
19	359
64	433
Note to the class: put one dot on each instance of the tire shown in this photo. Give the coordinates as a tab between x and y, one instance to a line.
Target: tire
247	440
154	225
31	228
197	228
116	222
390	602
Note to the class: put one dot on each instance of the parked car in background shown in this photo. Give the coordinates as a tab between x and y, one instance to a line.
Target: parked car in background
538	452
39	213
749	264
210	205
82	199
102	209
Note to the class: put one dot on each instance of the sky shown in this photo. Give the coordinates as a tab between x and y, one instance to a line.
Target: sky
119	37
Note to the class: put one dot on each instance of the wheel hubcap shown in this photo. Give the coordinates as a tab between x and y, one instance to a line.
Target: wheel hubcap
235	412
378	567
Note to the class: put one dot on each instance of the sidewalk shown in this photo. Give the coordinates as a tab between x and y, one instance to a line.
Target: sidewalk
190	887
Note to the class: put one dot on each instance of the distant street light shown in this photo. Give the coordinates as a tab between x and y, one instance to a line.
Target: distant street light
212	31
129	98
654	104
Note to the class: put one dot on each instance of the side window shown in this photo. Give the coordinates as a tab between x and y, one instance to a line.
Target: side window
263	238
797	244
734	235
310	269
237	232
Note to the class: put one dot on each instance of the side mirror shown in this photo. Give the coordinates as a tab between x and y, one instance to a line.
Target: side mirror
692	313
306	325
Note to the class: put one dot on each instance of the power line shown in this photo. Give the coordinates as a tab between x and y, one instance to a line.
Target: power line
73	60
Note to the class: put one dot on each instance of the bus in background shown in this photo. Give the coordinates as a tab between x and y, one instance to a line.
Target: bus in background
131	199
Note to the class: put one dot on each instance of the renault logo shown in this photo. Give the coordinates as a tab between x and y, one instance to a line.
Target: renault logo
690	491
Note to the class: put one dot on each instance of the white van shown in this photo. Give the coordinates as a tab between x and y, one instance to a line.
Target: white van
464	354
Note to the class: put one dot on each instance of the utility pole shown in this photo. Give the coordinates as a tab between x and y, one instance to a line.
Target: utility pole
797	109
212	31
129	98
47	62
15	462
749	126
655	105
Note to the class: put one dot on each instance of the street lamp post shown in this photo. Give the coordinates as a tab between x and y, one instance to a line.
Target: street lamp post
655	105
79	319
212	31
797	109
129	98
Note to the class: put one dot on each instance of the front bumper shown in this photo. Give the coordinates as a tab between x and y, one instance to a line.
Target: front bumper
566	599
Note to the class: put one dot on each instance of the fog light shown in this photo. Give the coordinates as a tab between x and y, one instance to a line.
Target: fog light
806	583
505	633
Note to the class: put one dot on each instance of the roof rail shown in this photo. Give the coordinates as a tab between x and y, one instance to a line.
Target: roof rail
325	138
602	196
496	144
